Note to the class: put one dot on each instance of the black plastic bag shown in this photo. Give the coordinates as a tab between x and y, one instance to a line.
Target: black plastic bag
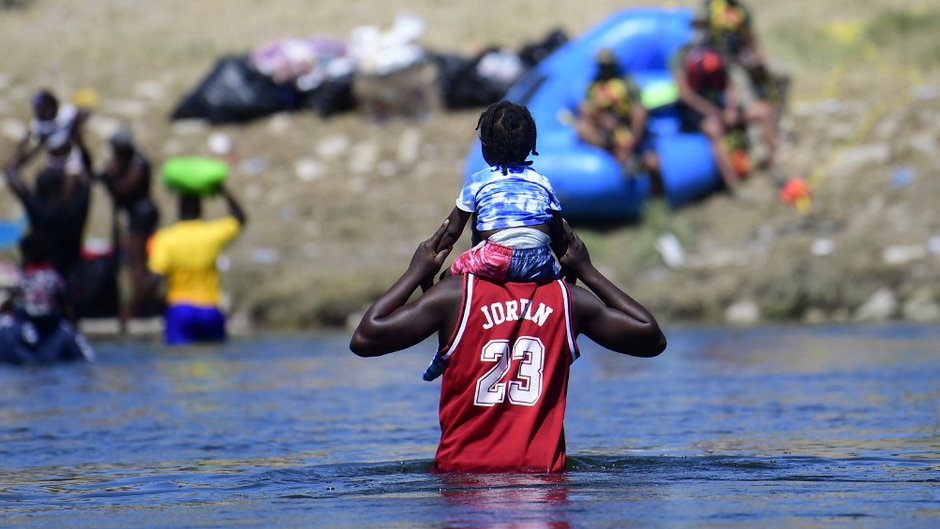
332	96
236	92
533	53
463	86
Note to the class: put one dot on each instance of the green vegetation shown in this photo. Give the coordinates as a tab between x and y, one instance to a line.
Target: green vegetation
904	37
15	4
909	36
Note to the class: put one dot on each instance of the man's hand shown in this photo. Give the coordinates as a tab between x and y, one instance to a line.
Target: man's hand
393	323
576	258
427	260
605	313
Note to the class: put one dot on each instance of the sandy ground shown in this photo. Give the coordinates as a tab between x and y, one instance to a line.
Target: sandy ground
337	205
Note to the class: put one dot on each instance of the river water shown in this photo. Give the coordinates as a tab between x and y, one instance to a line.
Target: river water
796	427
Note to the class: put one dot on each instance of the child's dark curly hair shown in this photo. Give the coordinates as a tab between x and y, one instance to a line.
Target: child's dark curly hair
507	132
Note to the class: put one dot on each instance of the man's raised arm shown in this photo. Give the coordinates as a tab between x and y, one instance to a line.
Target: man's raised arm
392	323
609	316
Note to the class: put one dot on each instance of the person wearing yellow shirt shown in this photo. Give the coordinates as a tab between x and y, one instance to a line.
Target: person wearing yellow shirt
185	254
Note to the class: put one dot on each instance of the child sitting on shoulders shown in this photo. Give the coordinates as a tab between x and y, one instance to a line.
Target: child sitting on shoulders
518	216
516	209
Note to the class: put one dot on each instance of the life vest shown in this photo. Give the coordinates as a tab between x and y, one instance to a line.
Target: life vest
705	70
611	95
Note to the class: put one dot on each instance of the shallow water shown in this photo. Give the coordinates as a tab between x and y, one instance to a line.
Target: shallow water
769	427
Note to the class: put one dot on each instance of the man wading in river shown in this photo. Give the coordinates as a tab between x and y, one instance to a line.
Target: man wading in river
509	346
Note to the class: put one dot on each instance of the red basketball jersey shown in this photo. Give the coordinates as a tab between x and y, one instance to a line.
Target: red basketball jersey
504	391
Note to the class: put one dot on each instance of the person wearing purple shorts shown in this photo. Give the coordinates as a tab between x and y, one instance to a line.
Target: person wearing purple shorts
185	253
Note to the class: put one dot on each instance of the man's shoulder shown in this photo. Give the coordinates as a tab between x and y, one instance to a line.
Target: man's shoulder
449	286
444	298
582	300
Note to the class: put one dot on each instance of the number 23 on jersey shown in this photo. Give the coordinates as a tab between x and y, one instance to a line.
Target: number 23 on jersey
524	387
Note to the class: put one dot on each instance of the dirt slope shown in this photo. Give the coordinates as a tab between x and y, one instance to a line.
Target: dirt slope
337	205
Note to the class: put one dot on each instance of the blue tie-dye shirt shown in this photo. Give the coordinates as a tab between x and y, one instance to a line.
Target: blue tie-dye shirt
521	198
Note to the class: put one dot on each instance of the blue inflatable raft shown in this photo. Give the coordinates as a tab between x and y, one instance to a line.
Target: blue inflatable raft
589	182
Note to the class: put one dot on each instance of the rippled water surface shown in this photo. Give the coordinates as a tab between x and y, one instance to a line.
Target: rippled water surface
769	427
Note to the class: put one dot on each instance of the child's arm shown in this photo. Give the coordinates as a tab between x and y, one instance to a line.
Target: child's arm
456	222
559	244
453	228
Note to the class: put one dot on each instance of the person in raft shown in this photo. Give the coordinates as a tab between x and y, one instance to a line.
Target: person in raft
185	253
612	116
518	215
510	346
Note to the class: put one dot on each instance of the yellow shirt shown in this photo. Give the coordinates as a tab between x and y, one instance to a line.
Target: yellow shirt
186	254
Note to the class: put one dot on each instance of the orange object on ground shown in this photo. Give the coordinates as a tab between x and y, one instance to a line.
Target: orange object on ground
795	191
740	162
